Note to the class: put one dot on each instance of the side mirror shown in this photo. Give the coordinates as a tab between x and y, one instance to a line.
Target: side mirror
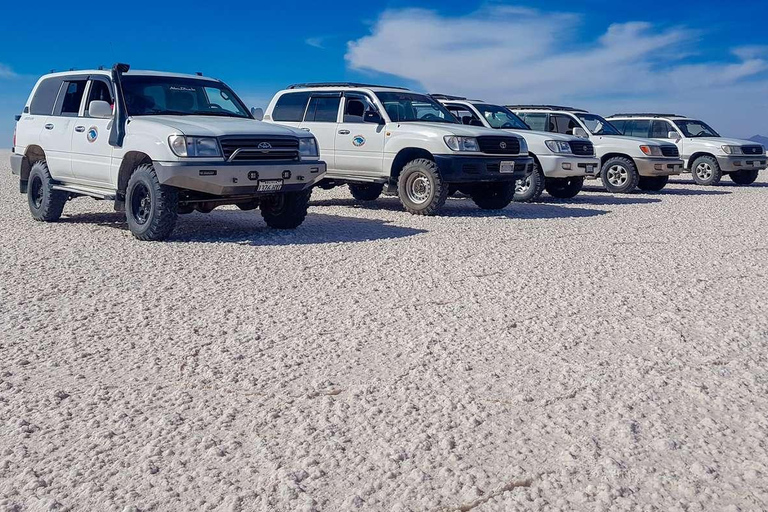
673	135
257	113
373	117
580	133
100	110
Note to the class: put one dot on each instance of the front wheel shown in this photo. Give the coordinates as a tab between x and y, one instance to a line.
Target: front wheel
744	177
493	196
706	171
653	183
530	188
620	175
285	211
45	204
365	191
564	188
421	189
151	209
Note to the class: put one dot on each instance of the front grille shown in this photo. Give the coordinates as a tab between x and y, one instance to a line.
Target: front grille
670	151
582	148
499	145
752	150
249	149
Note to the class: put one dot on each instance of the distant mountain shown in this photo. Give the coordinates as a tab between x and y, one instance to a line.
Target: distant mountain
761	139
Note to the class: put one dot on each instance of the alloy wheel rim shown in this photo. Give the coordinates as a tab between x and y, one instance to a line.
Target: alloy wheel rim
141	204
37	192
617	175
418	188
522	186
704	171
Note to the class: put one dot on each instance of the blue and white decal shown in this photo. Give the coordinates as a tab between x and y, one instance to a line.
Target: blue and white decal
358	141
93	134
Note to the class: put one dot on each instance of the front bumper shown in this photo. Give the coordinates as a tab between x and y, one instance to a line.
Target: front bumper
224	179
563	166
742	163
473	169
16	162
658	166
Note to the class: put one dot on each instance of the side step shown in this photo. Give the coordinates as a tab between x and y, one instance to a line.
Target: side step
96	193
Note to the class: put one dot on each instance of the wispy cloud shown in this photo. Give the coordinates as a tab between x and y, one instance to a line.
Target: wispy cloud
6	72
508	54
316	42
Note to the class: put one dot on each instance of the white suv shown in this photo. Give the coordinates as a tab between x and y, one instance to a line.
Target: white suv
626	162
707	155
390	139
157	144
560	161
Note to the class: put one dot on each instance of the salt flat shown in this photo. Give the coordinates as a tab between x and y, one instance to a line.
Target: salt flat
607	353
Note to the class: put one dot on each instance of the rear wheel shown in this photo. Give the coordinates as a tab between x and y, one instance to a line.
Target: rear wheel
653	183
493	196
744	177
150	208
706	171
45	204
365	191
421	189
620	175
285	211
530	188
564	188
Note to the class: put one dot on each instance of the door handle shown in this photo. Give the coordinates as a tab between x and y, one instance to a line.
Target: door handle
49	126
80	129
343	132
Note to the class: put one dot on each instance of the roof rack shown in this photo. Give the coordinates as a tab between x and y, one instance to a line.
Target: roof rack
646	115
316	85
545	107
447	97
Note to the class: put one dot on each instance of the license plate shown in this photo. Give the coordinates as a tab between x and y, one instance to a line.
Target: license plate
750	164
507	167
270	185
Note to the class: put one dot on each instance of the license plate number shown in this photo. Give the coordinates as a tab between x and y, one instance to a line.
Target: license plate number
507	167
270	185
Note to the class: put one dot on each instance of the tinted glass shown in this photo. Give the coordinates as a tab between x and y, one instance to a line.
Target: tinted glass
73	97
692	128
500	117
661	129
355	107
290	107
620	125
323	109
45	97
537	122
408	107
597	125
562	124
638	128
99	92
463	114
180	96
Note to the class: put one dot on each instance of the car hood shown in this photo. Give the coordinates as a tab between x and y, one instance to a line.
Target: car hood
453	129
724	141
210	126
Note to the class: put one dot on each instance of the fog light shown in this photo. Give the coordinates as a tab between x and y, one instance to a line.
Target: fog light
286	175
737	164
567	166
253	175
659	167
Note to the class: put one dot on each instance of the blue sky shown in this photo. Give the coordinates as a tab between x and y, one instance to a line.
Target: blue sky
699	58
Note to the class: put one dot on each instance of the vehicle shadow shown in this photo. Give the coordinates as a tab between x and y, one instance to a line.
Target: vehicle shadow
604	199
725	183
701	191
247	228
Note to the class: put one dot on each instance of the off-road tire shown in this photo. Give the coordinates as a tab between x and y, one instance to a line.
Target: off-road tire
619	175
248	206
45	204
530	188
493	196
744	176
365	191
706	171
653	183
285	211
151	209
564	188
420	187
185	209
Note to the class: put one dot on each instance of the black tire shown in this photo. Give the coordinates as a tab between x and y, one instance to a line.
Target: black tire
564	188
247	206
45	204
285	211
653	183
619	175
706	171
744	176
493	196
365	191
150	208
420	187
531	187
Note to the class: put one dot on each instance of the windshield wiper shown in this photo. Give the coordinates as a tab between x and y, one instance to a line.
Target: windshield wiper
215	113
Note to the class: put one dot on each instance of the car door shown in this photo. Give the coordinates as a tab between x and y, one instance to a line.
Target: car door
91	153
660	129
57	134
359	145
321	119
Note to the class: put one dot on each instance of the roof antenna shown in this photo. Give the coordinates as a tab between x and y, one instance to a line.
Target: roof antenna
198	73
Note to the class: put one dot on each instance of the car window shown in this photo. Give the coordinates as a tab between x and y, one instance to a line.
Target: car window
73	97
661	129
323	109
463	114
100	91
355	107
638	128
620	125
409	107
597	125
291	107
45	97
220	100
150	95
537	122
692	128
560	123
500	117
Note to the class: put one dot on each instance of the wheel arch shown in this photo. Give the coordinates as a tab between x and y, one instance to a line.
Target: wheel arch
33	154
698	155
131	161
608	156
406	155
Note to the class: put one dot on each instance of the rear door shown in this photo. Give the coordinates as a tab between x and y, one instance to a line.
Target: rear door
359	145
91	152
321	119
56	138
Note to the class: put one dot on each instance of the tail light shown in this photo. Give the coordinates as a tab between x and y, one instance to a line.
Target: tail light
14	136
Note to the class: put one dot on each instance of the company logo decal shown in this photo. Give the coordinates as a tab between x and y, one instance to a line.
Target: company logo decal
503	145
93	134
264	145
358	140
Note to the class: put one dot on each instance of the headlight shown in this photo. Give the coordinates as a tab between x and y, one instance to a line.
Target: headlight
652	150
194	146
308	148
523	146
732	150
457	143
559	146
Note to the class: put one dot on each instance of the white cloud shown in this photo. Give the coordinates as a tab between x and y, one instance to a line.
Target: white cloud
6	72
508	54
315	42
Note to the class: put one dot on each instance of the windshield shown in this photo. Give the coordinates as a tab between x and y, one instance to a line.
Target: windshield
692	128
178	96
408	107
500	117
597	125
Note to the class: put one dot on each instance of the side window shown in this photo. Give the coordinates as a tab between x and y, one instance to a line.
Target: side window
638	128
72	98
537	122
323	109
464	115
355	107
100	91
620	125
290	107
45	97
661	129
559	123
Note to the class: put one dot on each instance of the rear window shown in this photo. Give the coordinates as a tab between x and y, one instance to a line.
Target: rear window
290	107
45	97
323	109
